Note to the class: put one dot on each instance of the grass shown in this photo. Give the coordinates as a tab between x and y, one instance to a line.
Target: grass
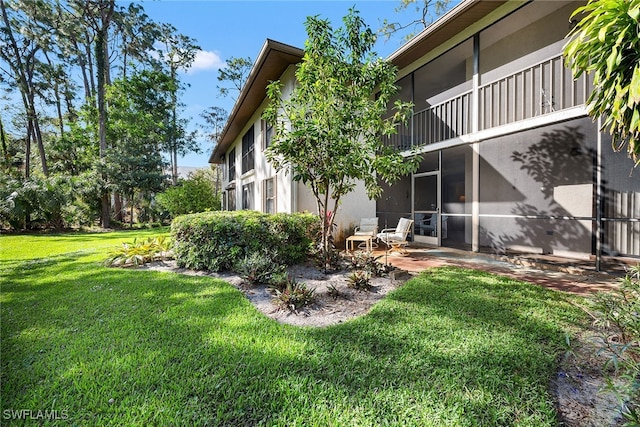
102	346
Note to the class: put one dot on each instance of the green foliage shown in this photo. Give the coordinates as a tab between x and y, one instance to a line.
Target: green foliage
426	12
140	109
605	43
137	253
235	73
366	261
260	268
216	241
294	295
328	131
192	195
215	119
55	202
618	311
359	280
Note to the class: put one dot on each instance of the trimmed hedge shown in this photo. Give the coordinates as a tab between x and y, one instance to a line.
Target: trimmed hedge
216	241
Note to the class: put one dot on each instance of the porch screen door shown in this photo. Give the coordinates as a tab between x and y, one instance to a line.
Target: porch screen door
426	208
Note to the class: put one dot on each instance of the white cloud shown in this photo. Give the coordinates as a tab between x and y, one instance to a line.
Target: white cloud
206	60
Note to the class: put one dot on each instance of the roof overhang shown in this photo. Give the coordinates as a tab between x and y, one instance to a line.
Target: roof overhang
273	60
454	22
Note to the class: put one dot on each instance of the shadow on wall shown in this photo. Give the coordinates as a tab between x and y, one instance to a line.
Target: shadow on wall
555	184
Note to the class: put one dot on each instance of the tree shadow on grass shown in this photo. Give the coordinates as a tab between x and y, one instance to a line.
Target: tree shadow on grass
455	347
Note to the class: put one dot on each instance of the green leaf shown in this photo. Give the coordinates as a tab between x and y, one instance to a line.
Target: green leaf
602	34
635	121
612	60
634	13
634	88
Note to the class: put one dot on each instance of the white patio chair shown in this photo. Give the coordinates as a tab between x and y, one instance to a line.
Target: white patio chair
396	238
367	227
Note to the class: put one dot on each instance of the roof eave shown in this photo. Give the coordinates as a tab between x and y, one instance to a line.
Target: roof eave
274	58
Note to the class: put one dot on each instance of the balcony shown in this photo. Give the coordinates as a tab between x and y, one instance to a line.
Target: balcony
540	89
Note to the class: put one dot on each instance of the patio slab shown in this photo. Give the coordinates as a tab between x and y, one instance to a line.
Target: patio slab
563	274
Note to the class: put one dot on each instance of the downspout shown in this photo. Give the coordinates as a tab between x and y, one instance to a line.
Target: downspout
475	169
599	204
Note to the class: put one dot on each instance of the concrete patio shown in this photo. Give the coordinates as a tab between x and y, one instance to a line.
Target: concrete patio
563	274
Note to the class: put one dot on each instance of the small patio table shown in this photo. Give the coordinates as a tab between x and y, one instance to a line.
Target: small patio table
367	240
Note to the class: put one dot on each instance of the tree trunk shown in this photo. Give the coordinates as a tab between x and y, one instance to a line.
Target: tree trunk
92	86
131	213
172	135
102	121
32	116
82	63
27	151
117	202
174	166
102	64
3	140
20	66
56	94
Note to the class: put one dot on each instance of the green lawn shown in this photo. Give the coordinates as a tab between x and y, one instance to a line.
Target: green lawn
105	346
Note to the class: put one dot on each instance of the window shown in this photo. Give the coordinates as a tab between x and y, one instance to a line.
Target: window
267	134
232	165
247	151
247	196
231	199
269	199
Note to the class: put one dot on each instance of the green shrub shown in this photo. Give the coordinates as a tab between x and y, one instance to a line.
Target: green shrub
259	267
294	296
217	241
43	202
192	195
618	313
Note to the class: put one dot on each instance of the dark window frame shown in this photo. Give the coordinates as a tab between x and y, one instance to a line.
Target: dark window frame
248	196
248	151
232	165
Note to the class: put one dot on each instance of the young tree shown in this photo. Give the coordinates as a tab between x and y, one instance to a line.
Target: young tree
140	108
605	42
178	53
236	73
20	51
215	118
426	10
99	14
197	193
328	132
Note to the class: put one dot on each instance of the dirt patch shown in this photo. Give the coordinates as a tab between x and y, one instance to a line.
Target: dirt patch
579	387
576	389
326	311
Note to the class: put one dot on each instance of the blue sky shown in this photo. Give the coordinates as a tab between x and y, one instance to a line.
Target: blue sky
225	29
